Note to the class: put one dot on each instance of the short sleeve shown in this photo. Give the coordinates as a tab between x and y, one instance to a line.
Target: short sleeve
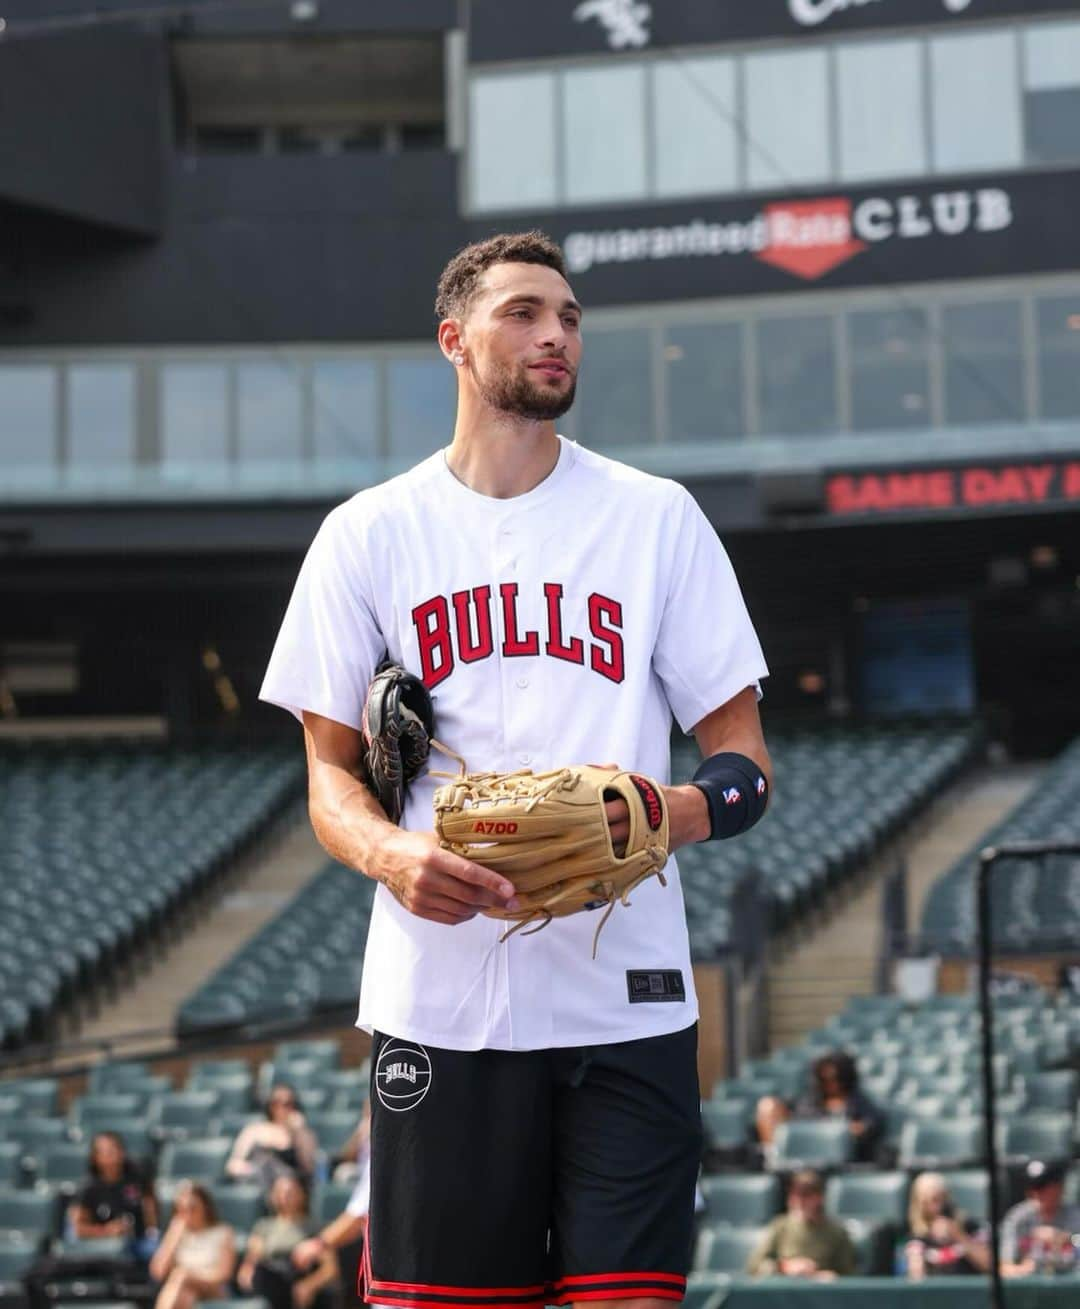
706	649
329	641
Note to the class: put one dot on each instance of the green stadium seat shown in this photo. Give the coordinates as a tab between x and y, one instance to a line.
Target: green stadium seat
329	1200
183	1114
705	1290
35	1212
117	1076
240	1205
232	1124
725	1249
881	1197
1036	1136
197	1161
63	1164
104	1106
742	1200
38	1096
821	1143
726	1123
1056	1090
946	1143
332	1130
16	1256
11	1154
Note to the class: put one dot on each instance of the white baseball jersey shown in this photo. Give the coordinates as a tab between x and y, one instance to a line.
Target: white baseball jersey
562	626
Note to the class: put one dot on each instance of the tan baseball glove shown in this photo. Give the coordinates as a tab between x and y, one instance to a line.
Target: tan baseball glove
548	834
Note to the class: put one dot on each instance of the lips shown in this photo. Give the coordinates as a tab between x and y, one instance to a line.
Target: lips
550	368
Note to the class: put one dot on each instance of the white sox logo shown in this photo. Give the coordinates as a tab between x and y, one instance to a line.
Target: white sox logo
402	1075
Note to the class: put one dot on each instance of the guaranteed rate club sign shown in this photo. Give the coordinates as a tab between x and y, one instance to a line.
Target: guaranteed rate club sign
1013	485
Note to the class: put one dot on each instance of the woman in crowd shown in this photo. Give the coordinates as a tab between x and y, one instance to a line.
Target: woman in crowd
939	1240
197	1254
834	1093
268	1268
283	1144
115	1199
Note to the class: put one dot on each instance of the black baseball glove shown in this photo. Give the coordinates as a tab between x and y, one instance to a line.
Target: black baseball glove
398	723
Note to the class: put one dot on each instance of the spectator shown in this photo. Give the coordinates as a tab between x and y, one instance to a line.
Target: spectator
197	1254
941	1241
1037	1234
267	1268
804	1242
115	1199
834	1092
283	1144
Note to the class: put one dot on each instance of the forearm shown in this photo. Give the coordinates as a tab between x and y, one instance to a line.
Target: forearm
345	1229
325	1272
348	821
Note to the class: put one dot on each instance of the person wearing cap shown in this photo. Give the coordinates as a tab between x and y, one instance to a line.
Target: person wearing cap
1037	1234
804	1242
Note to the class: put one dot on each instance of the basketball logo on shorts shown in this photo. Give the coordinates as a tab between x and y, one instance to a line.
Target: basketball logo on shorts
402	1075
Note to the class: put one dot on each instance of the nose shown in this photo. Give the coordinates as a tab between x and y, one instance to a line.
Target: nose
551	333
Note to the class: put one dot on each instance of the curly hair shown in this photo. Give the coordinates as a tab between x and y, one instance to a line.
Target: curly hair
461	276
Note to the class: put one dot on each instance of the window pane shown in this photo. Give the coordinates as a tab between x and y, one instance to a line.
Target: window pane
694	139
890	375
346	417
421	397
1052	92
880	90
1059	355
194	413
983	367
704	364
604	133
797	368
28	414
268	412
976	102
787	107
615	404
512	141
101	424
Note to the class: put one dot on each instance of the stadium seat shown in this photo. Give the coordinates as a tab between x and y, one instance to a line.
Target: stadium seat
1036	1136
332	1130
62	1164
16	1256
871	1196
197	1161
329	1200
726	1124
183	1114
106	1106
38	1096
34	1212
946	1143
821	1143
10	1163
725	1249
741	1200
1057	1090
970	1191
241	1205
705	1290
117	1076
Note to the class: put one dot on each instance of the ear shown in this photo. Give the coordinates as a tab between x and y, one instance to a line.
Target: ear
451	340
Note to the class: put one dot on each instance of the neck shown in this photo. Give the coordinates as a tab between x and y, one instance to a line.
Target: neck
498	454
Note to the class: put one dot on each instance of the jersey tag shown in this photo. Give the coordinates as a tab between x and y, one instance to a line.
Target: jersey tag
654	987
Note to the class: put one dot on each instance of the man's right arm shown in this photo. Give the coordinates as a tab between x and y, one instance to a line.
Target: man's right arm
351	825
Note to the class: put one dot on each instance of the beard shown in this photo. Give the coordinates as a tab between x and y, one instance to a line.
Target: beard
520	396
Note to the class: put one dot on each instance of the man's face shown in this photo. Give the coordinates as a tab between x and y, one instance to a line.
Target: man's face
1048	1196
523	337
808	1203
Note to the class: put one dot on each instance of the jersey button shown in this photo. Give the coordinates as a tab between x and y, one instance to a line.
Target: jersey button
522	683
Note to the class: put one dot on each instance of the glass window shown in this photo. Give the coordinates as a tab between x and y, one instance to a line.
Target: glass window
1052	92
976	102
101	409
421	395
890	374
194	413
616	398
797	371
704	363
983	363
787	111
346	408
512	141
695	144
268	411
1058	319
28	414
880	91
604	133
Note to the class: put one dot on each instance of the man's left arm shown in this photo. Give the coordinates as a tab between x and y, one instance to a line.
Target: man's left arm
734	727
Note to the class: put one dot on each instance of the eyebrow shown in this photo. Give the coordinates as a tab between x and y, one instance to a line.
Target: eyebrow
538	300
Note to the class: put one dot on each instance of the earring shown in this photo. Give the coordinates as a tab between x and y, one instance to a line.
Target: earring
459	359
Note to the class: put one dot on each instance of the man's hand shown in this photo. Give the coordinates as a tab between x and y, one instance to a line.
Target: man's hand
308	1252
688	816
434	883
798	1266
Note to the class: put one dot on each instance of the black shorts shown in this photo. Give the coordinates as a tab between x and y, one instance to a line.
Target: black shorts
529	1178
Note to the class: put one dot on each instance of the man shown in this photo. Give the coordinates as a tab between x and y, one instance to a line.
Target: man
535	1126
804	1242
1037	1234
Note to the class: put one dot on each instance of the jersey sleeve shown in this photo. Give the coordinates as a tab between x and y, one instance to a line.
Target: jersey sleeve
706	648
329	641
